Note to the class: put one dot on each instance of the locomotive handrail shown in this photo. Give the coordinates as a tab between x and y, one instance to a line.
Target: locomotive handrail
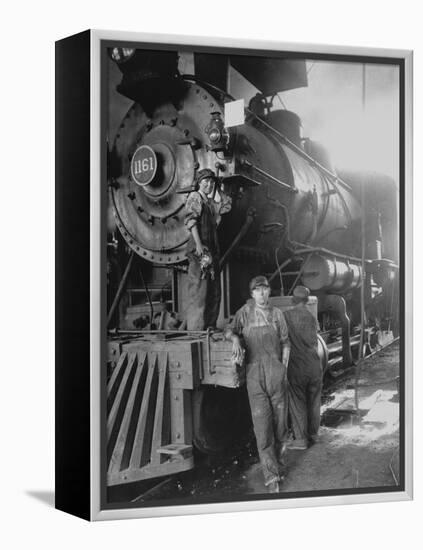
302	153
269	176
311	249
308	250
242	232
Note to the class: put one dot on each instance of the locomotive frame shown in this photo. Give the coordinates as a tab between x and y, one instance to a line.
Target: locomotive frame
100	508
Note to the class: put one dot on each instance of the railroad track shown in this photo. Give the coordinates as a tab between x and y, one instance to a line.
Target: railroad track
343	374
331	413
149	492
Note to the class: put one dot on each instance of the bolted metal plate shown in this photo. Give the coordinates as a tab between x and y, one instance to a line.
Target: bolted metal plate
154	166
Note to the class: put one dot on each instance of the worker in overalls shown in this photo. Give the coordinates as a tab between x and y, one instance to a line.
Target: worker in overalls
262	331
202	217
304	371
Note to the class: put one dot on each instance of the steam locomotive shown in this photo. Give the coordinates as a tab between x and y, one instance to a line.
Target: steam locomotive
293	218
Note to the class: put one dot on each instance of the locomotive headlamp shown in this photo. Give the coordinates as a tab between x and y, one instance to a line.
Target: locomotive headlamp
218	135
121	54
215	135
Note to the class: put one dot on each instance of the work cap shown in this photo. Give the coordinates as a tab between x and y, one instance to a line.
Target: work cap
203	174
260	280
301	293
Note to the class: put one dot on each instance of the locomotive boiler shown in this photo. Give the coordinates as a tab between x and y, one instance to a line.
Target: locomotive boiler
293	218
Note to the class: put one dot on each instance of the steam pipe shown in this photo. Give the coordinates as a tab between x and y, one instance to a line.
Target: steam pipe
269	176
249	220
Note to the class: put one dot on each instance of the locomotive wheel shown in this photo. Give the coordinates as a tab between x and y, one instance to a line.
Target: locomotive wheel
323	353
222	419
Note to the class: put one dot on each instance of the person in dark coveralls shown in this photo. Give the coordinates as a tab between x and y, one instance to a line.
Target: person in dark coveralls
265	336
202	217
304	371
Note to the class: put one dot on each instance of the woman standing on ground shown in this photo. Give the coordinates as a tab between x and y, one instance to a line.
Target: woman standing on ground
304	371
265	337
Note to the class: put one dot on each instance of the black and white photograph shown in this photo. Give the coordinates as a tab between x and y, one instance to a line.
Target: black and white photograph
211	275
254	275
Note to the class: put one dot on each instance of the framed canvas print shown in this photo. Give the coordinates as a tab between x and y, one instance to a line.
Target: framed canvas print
233	280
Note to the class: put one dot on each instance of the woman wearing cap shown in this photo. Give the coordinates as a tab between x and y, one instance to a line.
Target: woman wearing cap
265	336
202	217
304	372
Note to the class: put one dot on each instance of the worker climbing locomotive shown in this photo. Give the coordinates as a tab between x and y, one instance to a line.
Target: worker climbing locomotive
279	209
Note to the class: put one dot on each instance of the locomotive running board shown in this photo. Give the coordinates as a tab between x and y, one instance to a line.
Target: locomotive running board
149	418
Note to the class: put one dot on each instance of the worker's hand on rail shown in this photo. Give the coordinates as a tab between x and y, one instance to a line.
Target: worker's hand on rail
199	249
237	350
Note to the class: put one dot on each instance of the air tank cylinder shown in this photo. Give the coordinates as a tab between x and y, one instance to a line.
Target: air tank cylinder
331	273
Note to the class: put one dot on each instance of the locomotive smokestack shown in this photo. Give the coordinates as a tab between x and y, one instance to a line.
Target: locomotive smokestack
149	78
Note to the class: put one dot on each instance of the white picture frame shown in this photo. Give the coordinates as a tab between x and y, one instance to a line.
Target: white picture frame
91	505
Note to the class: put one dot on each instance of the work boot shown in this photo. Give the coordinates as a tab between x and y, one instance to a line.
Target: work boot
282	451
282	468
298	445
